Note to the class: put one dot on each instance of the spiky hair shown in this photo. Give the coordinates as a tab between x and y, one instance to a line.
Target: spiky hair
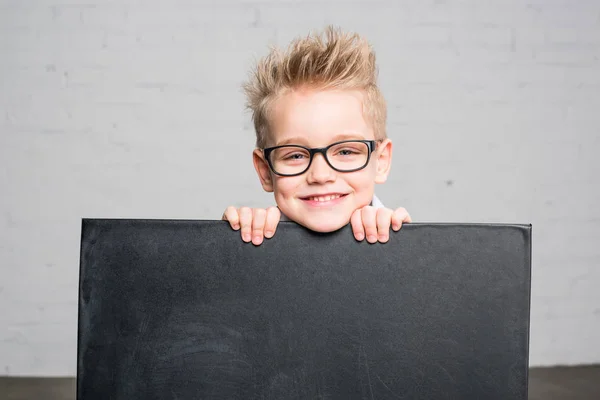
331	59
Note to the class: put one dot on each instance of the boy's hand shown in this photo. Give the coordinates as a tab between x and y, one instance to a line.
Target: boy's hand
374	223
255	223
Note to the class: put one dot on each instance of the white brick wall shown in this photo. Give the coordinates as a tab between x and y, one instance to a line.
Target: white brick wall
130	108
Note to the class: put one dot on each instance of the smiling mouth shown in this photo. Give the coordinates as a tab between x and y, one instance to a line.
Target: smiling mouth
324	198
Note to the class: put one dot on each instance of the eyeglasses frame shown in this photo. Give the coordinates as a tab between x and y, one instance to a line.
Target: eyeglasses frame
371	145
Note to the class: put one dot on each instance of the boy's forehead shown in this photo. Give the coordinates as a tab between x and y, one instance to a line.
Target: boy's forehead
318	118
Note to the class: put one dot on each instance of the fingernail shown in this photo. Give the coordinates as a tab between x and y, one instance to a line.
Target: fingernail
268	234
246	237
396	227
383	238
236	227
257	239
372	238
359	236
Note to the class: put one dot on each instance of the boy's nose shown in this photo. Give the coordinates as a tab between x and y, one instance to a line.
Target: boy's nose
320	171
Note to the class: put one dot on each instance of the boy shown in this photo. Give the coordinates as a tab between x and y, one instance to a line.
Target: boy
321	141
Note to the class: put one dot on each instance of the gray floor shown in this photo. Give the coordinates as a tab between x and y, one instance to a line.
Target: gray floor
574	383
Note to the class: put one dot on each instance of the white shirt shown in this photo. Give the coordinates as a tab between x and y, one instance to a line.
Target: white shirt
375	202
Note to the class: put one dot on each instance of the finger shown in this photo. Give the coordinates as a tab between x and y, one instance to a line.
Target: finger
384	220
259	217
231	215
399	217
273	217
357	225
369	215
246	223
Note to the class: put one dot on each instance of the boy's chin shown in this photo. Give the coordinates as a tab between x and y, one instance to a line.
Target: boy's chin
324	227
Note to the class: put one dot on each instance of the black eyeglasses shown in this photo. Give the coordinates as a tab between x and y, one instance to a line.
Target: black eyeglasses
344	156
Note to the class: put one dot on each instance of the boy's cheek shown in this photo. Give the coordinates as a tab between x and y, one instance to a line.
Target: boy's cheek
283	188
281	201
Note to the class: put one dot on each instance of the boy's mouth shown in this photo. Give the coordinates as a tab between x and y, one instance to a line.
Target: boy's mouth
324	198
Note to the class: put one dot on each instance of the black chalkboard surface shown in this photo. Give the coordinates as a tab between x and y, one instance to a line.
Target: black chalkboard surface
172	309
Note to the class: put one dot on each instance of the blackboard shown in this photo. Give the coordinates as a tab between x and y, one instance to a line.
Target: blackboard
174	309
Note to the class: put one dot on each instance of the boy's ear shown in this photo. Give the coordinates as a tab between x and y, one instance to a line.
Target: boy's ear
263	170
383	155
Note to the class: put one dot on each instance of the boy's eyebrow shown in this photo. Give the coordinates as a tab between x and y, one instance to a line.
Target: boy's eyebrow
337	138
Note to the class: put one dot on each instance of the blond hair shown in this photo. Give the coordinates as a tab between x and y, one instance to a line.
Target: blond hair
328	60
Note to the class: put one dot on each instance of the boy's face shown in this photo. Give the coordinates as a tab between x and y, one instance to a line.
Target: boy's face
322	199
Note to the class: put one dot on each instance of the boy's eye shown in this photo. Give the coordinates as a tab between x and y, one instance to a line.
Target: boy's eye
346	152
294	156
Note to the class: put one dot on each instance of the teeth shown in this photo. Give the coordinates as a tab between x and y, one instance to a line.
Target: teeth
324	198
